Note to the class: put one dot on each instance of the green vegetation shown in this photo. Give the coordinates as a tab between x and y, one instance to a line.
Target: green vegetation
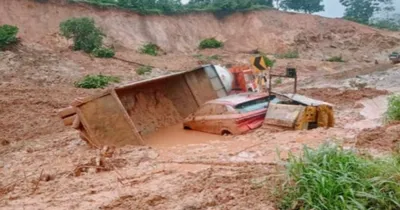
96	81
306	6
269	62
393	111
210	43
375	13
83	31
8	35
144	70
103	52
332	178
390	22
205	58
335	59
150	49
170	7
278	81
289	55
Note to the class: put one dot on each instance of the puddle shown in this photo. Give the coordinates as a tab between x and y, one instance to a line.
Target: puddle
176	135
373	111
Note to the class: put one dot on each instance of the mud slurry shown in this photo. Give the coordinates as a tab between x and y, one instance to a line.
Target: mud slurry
383	139
45	165
235	172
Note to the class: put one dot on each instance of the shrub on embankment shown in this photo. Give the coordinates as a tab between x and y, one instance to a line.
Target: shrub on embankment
393	111
86	36
8	35
333	178
96	81
210	43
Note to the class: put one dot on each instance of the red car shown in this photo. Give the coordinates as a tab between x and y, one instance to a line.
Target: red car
235	114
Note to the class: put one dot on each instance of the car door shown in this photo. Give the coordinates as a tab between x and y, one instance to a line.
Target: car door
217	119
201	118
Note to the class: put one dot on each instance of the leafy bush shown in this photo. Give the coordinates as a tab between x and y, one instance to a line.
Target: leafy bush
393	111
96	81
8	35
210	43
144	70
335	59
83	31
150	49
269	62
289	55
332	178
103	52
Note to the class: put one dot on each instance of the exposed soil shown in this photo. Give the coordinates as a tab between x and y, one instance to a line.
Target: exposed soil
384	139
341	97
214	187
317	37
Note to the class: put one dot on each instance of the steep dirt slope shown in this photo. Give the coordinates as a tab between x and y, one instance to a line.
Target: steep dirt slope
272	31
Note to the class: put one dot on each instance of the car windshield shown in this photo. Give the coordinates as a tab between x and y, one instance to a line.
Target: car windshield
255	105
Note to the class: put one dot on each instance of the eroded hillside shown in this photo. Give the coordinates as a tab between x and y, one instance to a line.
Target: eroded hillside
270	31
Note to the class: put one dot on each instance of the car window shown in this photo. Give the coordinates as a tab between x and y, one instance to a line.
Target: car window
205	110
220	109
255	105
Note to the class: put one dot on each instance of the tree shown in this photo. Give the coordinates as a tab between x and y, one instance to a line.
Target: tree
306	6
277	3
268	3
363	10
83	31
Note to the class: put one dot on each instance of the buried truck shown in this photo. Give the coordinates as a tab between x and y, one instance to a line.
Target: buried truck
394	57
123	115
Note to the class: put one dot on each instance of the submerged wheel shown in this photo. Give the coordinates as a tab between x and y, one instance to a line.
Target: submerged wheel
226	133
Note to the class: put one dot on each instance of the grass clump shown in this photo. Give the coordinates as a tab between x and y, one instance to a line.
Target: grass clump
335	59
210	43
96	81
143	70
393	111
332	178
103	52
150	49
8	35
278	81
205	58
289	55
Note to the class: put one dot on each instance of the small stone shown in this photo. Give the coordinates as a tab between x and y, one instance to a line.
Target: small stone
5	143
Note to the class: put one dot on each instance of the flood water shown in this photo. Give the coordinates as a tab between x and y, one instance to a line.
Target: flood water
176	135
373	111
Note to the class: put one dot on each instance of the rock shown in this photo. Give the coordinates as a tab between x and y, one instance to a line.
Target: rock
5	143
358	106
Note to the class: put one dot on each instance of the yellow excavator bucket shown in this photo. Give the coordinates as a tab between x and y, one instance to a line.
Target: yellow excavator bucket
309	114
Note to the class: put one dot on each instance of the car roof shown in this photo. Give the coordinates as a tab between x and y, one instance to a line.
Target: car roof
237	99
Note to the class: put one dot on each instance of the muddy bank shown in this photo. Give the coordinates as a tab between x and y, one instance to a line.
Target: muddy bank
213	188
182	33
385	139
341	97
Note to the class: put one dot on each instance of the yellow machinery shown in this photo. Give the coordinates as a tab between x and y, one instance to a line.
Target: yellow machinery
298	112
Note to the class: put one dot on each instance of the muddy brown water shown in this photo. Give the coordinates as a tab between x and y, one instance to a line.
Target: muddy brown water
176	135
